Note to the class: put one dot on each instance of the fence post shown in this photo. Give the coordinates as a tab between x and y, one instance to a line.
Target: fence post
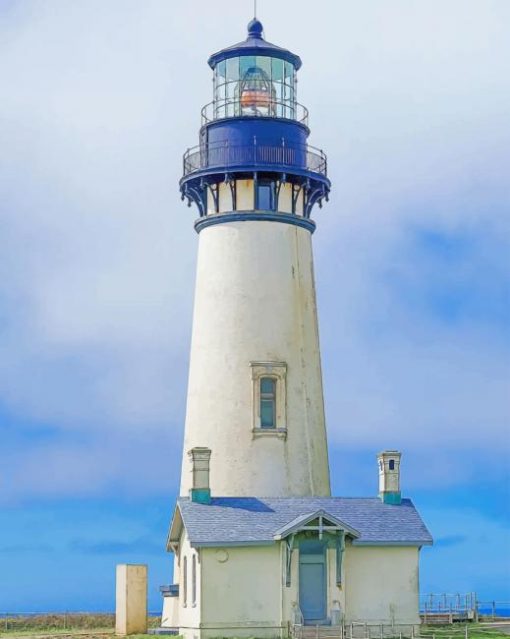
466	632
493	610
6	624
382	632
65	619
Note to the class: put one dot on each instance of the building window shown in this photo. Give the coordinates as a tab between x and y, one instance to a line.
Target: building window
267	402
391	464
185	581
194	580
264	200
269	398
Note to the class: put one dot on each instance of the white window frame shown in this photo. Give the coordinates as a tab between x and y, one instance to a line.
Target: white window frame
278	372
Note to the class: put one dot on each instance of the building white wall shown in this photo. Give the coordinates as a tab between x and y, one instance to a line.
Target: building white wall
381	584
255	301
242	592
183	611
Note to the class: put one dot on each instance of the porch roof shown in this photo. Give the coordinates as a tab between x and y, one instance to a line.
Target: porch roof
237	521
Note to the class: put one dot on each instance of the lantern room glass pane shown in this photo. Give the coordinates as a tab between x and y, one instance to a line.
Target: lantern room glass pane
264	63
246	62
232	69
289	74
220	70
277	70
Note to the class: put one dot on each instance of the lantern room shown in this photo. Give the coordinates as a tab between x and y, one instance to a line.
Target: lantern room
255	78
253	154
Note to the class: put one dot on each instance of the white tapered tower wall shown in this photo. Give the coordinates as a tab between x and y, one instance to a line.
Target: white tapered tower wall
255	306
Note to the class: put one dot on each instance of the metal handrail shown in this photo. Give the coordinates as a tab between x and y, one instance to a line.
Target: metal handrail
232	108
226	156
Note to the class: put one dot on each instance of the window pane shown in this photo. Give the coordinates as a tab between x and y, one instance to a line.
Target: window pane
289	74
277	70
267	386
220	70
246	62
232	69
264	63
267	413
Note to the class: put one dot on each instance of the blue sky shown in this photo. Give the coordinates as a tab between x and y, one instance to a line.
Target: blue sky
410	99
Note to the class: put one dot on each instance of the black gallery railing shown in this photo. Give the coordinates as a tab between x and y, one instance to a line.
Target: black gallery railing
254	156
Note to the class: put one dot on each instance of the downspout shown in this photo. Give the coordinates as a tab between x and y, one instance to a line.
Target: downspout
283	566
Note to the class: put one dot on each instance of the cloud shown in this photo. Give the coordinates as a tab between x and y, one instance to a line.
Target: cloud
98	252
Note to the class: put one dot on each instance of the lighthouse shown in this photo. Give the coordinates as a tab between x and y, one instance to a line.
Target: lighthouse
260	546
255	396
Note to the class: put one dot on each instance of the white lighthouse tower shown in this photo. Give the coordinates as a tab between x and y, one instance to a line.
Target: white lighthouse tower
255	395
261	547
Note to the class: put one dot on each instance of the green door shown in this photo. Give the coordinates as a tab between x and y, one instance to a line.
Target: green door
312	581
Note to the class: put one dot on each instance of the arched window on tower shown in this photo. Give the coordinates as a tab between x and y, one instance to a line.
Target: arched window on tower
391	464
267	402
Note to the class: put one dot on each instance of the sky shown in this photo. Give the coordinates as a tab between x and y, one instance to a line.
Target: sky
410	99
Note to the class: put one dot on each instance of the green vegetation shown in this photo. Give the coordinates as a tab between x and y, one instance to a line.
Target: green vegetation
458	631
86	625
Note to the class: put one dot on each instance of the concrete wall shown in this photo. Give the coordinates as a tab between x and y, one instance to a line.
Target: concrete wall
381	584
131	599
255	302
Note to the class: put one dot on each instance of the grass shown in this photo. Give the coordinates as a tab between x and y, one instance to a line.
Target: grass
457	631
83	625
97	626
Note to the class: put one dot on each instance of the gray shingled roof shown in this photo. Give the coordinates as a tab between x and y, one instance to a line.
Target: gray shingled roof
243	520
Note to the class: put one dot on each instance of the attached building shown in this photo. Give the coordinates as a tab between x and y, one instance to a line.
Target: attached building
248	566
